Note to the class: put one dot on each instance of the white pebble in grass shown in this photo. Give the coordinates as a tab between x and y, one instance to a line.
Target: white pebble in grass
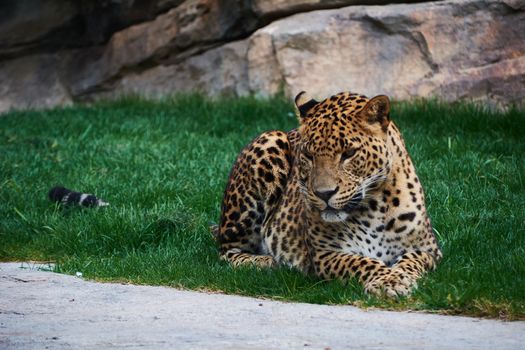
78	274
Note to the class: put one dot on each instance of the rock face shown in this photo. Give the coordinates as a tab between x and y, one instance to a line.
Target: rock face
469	49
464	49
29	26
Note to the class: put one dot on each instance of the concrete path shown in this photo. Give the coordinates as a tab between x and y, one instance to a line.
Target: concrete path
44	310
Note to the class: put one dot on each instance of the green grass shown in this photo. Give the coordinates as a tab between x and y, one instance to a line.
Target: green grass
163	167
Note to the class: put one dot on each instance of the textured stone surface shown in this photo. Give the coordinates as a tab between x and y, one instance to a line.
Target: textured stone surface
454	50
275	8
471	49
25	24
40	310
36	26
33	82
216	71
194	26
468	49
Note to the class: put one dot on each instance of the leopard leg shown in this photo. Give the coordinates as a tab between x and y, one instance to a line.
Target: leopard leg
375	275
256	183
414	264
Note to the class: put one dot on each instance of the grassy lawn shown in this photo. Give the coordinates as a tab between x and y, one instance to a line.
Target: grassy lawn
163	167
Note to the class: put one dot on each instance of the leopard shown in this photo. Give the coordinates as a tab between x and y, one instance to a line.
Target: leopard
337	197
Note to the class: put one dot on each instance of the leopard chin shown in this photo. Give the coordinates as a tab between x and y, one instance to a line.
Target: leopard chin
333	215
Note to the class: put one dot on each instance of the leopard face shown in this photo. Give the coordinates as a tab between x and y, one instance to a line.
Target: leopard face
342	151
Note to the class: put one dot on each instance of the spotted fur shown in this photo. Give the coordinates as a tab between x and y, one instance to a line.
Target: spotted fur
338	197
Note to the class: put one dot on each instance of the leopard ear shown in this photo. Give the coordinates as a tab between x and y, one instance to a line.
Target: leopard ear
304	103
377	110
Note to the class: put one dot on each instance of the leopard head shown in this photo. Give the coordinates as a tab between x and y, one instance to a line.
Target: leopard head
342	151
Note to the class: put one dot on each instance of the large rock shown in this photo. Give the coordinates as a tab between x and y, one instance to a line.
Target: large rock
453	50
401	50
36	26
26	24
272	9
33	82
220	71
194	26
464	49
470	49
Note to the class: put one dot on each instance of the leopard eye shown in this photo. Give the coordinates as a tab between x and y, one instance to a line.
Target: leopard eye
349	153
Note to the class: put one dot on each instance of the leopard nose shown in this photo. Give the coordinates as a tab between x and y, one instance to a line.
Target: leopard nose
326	195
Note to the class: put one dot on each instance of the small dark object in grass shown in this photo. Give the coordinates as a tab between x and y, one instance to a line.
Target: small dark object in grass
65	196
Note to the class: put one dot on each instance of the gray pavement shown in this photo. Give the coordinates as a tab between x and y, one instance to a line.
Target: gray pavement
45	310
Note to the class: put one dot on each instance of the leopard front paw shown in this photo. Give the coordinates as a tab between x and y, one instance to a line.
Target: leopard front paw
238	258
265	261
396	283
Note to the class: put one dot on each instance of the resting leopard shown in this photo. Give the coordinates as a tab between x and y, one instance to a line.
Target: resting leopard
338	197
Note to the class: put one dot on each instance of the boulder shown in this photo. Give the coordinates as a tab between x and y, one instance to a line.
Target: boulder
33	82
461	49
454	50
219	71
36	26
194	26
268	10
27	24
